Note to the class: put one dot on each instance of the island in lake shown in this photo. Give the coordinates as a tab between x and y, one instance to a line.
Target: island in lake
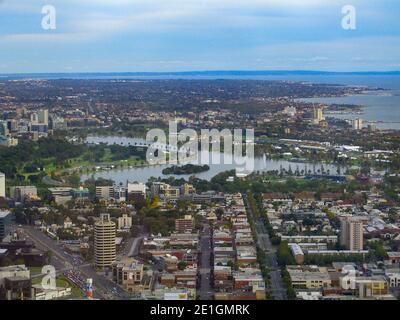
186	169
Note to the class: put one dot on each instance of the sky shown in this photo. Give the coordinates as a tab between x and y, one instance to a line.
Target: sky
197	35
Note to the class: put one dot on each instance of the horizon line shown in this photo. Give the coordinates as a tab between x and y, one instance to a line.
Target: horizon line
208	72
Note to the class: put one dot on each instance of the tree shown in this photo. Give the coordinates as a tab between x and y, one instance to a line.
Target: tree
284	255
182	265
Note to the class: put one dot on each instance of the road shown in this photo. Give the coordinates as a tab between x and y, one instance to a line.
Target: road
264	242
133	246
103	287
205	290
51	182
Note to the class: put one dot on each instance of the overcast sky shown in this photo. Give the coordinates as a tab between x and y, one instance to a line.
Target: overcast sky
184	35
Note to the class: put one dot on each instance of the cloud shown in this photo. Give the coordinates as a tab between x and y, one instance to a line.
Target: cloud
202	34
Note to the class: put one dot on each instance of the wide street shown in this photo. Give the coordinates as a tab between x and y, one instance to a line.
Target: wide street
205	291
264	242
103	287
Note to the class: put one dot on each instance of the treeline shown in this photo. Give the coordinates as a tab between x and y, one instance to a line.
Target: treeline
163	222
325	260
117	152
258	185
31	156
284	255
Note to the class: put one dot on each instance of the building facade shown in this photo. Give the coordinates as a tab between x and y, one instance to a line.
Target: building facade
104	242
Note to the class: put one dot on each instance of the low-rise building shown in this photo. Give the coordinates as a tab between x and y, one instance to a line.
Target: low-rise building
125	222
309	277
186	224
128	273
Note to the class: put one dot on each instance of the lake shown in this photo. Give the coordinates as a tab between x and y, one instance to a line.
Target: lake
142	174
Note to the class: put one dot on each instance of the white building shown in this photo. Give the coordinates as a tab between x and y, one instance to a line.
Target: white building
14	271
357	124
38	293
2	185
393	276
136	188
125	222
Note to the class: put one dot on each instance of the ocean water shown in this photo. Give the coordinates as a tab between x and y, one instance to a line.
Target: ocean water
380	107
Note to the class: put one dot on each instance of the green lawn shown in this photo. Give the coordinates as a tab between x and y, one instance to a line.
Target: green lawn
64	283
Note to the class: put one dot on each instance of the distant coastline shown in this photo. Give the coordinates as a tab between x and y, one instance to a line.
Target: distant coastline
215	73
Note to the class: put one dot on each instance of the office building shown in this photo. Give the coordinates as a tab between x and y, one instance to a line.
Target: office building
351	233
184	225
2	185
3	128
309	277
80	193
21	193
357	124
115	192
61	195
104	242
136	191
318	115
15	283
105	192
13	271
128	273
125	222
5	222
119	193
43	117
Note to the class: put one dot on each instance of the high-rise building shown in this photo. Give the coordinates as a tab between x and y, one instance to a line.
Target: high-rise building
43	116
357	124
2	185
351	233
34	118
3	128
105	192
104	242
318	115
5	222
115	192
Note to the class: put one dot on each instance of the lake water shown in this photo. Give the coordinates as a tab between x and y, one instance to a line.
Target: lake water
382	107
142	174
